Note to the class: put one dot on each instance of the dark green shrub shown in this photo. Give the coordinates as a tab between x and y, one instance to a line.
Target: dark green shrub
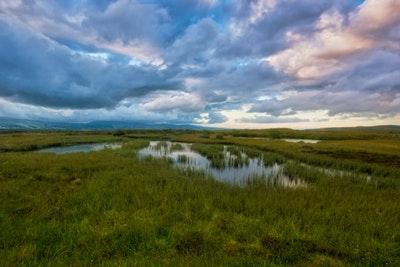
192	243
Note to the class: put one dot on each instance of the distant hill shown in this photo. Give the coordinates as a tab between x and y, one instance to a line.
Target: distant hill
22	124
25	125
378	128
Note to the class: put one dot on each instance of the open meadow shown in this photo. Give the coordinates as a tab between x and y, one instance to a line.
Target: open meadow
339	204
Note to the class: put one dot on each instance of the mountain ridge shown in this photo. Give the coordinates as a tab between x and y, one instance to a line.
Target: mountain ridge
32	125
26	124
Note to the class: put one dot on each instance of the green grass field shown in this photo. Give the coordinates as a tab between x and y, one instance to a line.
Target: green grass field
109	208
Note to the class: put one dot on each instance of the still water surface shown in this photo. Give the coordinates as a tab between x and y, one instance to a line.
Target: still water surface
292	140
80	148
185	158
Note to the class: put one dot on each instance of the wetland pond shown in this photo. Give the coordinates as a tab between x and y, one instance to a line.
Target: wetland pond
293	140
234	165
231	164
80	148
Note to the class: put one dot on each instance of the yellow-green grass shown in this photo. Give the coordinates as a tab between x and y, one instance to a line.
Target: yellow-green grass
110	208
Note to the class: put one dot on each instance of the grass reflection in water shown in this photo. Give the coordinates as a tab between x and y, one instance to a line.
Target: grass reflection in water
226	163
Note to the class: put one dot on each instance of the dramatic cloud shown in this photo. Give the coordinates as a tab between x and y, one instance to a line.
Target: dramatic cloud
258	63
336	40
42	72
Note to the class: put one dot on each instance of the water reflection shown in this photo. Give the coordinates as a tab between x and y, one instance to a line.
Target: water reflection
80	148
292	140
233	171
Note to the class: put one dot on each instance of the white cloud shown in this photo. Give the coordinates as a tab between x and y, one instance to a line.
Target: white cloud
375	15
173	102
322	54
334	41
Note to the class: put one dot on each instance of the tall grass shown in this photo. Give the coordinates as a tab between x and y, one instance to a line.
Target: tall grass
110	208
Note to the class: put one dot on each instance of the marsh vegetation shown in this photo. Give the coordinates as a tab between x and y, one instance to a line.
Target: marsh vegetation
230	164
118	207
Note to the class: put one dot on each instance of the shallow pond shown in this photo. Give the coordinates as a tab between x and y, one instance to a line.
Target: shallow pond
80	148
292	140
231	171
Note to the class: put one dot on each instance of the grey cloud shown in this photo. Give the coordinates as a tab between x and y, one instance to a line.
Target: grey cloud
267	35
230	47
216	117
298	16
245	80
336	103
74	6
394	34
373	72
226	105
368	84
194	46
215	98
146	89
275	107
37	70
126	21
208	68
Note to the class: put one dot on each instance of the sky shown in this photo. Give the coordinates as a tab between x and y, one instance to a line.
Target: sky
223	63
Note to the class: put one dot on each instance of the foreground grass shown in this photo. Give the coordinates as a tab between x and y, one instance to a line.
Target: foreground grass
109	208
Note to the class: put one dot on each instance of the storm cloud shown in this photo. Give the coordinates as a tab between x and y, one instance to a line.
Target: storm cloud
258	63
